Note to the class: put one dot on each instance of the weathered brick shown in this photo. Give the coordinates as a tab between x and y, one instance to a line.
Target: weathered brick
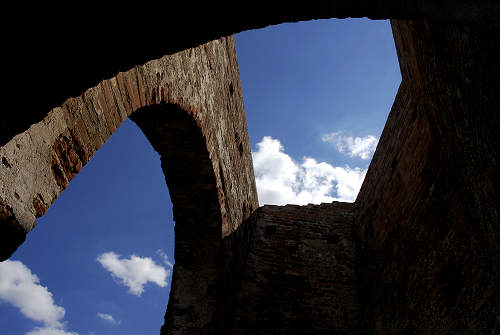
124	94
427	215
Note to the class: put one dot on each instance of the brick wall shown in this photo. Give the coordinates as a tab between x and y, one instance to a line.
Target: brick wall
294	272
426	216
428	209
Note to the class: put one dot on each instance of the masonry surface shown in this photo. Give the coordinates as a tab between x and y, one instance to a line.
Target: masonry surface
293	270
417	253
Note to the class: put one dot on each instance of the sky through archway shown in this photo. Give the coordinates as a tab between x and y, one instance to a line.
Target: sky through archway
317	95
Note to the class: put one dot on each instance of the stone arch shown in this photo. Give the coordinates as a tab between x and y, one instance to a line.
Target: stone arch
191	179
449	97
189	105
38	164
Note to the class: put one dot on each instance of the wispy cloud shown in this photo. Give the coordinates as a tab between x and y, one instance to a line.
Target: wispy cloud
165	258
280	180
21	288
134	272
108	318
363	147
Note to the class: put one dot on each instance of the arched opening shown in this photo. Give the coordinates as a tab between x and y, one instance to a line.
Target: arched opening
193	117
445	110
187	168
119	205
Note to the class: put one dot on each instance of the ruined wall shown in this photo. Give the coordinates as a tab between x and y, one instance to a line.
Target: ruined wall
428	207
190	106
37	165
293	270
426	216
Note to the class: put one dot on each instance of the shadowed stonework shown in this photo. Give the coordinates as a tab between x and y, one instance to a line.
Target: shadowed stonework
428	207
189	106
417	253
293	269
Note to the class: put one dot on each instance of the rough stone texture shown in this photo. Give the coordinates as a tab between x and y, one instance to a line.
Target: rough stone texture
38	165
428	207
189	173
11	233
293	270
190	107
426	255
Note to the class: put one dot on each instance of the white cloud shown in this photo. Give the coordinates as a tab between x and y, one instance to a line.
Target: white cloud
22	289
165	258
109	318
280	180
362	147
49	331
135	271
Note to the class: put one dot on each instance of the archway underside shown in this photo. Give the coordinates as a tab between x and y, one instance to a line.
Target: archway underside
425	224
190	177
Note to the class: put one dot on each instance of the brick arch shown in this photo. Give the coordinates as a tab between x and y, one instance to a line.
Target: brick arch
428	201
189	105
185	160
38	164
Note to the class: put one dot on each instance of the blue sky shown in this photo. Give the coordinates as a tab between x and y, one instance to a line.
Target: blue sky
316	94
